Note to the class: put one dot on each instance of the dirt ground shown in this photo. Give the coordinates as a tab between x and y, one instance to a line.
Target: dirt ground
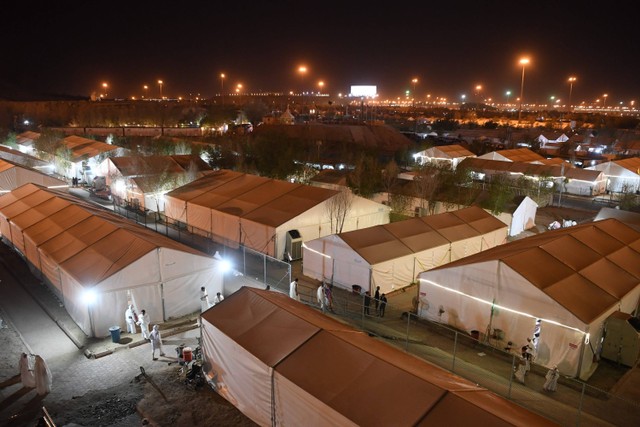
128	404
548	214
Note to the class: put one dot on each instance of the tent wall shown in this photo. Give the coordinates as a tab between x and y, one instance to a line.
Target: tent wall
465	247
240	377
493	281
343	266
524	217
175	209
259	237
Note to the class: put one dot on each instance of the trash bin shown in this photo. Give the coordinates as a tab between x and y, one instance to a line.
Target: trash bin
115	333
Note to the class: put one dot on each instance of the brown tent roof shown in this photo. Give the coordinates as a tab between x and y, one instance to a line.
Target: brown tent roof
152	165
262	200
514	155
389	241
344	368
88	242
574	265
524	168
84	148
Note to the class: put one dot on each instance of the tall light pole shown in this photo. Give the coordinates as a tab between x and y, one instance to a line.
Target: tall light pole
145	88
302	70
523	62
604	101
478	90
415	82
160	82
572	80
222	76
105	86
508	93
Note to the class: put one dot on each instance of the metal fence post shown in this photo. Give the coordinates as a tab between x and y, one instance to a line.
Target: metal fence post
455	348
362	310
406	345
513	370
580	404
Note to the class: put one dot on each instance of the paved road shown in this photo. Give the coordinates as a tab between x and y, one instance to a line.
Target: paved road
40	333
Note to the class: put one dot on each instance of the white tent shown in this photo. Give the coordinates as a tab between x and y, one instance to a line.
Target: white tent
235	208
391	255
524	217
568	281
13	176
285	364
84	252
142	180
514	155
447	155
621	175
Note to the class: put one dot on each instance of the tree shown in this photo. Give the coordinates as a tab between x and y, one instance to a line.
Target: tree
426	185
338	208
390	177
500	194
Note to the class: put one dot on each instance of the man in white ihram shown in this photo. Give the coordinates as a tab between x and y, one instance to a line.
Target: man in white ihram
204	300
218	298
156	342
130	318
143	321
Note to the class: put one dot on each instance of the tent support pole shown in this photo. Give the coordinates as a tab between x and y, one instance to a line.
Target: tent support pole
582	350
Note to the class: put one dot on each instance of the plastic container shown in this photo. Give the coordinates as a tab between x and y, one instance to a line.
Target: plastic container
187	354
115	333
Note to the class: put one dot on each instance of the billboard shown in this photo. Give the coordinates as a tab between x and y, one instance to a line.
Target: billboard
369	91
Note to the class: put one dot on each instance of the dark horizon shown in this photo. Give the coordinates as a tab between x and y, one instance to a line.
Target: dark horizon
71	49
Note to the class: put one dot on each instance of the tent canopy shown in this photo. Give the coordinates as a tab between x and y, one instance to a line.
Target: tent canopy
324	370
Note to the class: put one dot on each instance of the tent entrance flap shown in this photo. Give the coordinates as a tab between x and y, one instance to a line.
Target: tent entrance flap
293	245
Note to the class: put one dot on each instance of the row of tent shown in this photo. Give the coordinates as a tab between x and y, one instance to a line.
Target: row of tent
391	255
97	262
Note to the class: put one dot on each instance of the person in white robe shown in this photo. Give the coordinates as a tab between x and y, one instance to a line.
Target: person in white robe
156	342
26	372
43	376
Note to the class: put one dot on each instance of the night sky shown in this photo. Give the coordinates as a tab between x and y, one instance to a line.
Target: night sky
449	46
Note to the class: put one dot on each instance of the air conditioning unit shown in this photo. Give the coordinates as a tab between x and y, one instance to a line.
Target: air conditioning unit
293	245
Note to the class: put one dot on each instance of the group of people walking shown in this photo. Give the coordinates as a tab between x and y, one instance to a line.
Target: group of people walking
379	301
527	355
34	373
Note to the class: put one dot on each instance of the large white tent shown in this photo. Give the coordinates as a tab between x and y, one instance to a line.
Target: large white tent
524	217
566	281
285	364
83	251
13	176
391	255
235	208
622	175
446	155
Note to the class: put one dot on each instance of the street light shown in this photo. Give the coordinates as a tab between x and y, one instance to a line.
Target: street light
302	70
105	86
145	88
321	85
523	62
414	81
478	89
508	93
604	101
222	76
160	84
572	80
